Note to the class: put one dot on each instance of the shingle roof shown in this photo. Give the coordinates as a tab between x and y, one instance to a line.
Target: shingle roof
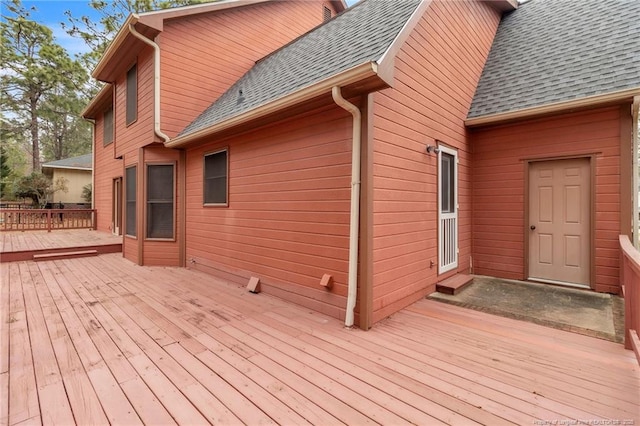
551	51
359	35
83	162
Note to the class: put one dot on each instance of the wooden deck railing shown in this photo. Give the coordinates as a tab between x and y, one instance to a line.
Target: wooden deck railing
630	278
46	219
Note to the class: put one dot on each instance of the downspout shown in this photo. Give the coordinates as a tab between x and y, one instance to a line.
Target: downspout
156	82
635	116
354	221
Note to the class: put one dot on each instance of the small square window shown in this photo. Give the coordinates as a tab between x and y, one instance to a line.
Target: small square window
215	178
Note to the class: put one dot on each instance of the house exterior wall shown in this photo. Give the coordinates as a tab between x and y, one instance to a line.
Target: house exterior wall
128	138
75	181
161	252
436	74
499	173
106	169
287	220
203	55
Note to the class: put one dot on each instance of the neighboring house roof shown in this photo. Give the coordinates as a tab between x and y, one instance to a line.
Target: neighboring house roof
360	35
554	51
82	162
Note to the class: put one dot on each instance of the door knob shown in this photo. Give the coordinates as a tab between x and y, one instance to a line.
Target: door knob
533	227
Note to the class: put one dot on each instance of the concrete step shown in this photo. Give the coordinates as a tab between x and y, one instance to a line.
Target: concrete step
455	284
65	255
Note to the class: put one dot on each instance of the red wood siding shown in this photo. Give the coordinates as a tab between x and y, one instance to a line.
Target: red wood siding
288	216
499	188
106	169
202	56
160	252
139	133
130	245
436	74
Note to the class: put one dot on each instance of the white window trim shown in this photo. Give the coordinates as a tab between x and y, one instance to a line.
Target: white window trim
442	267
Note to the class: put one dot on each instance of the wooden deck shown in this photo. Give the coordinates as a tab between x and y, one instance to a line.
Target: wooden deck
99	340
23	245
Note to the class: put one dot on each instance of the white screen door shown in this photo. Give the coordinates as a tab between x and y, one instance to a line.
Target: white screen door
447	209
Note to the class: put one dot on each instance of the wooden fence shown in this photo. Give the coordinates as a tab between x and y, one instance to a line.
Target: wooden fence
630	278
46	219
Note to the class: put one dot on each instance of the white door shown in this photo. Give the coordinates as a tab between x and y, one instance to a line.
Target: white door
560	221
447	209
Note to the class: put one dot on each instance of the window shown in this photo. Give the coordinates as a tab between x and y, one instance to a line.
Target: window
130	196
447	182
448	210
326	13
132	94
215	178
160	201
107	134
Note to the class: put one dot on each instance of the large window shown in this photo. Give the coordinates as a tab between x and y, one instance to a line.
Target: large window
130	196
107	127
132	94
215	178
160	200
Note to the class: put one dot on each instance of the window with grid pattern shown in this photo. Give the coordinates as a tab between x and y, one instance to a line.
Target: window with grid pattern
160	200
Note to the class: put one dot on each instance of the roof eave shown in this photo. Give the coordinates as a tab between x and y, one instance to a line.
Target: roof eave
98	102
45	166
553	108
156	18
350	76
114	46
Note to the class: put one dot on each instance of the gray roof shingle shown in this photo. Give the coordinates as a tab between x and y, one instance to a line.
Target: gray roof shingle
358	35
80	162
550	51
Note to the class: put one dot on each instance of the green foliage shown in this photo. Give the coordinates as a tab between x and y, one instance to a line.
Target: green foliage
87	191
36	72
5	171
38	188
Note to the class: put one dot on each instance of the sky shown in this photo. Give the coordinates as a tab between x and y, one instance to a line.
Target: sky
51	14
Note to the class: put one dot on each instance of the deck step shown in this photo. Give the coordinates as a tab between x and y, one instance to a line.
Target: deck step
65	255
455	284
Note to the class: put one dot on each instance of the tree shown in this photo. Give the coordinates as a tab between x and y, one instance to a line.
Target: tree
97	34
65	133
34	68
87	192
38	188
5	171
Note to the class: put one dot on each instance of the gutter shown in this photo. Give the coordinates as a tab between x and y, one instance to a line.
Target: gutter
354	221
347	77
553	107
156	82
635	116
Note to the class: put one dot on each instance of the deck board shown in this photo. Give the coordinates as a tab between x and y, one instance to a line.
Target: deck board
23	245
106	341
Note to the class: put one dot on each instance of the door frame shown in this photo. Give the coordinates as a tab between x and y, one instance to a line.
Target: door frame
116	205
592	219
444	268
